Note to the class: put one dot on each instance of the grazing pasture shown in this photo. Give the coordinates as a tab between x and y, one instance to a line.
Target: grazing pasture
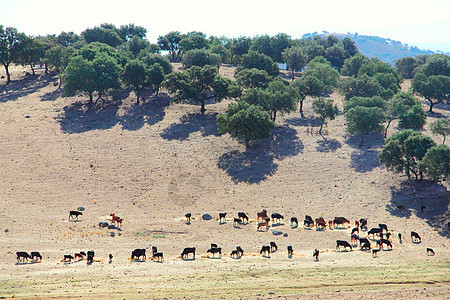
154	163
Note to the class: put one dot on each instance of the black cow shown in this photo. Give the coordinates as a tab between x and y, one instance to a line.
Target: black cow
239	250
383	241
242	216
399	237
308	218
236	222
90	257
265	249
363	224
344	244
22	256
430	252
416	236
234	253
294	221
273	247
215	250
308	222
68	257
356	229
383	227
374	231
214	245
365	246
290	250
154	250
36	255
159	256
354	239
276	216
74	214
374	252
222	217
186	251
137	253
363	240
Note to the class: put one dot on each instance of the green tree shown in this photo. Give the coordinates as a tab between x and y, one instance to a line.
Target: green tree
435	88
259	61
361	86
199	84
324	109
253	78
67	39
222	51
103	35
136	45
240	46
171	43
406	67
244	121
150	59
364	120
323	71
353	64
277	97
135	75
399	105
11	42
193	40
201	57
336	55
375	101
349	47
436	64
57	58
31	52
128	32
440	126
436	162
156	77
413	118
403	152
295	59
308	85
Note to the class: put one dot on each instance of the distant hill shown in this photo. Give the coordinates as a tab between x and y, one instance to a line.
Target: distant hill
373	46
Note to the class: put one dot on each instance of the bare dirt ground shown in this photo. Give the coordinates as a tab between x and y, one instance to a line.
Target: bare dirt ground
151	164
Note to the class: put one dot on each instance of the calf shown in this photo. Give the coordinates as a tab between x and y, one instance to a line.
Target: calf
137	253
22	256
415	237
262	225
79	255
290	250
383	227
74	214
213	251
239	250
363	240
294	222
36	255
159	256
308	223
234	253
90	257
265	249
68	257
430	252
154	250
262	215
363	224
236	222
188	217
374	252
186	251
222	217
344	244
354	239
356	229
243	216
273	247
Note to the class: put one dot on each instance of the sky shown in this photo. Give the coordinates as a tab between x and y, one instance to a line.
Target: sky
422	23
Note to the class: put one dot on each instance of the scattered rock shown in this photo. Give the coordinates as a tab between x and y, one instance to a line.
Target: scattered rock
285	234
111	227
206	217
103	224
7	230
80	208
27	117
276	232
112	233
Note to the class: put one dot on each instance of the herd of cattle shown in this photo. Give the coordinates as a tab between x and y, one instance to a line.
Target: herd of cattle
380	235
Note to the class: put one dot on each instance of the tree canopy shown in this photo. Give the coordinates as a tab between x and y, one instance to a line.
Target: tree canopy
259	61
324	109
364	120
11	42
441	127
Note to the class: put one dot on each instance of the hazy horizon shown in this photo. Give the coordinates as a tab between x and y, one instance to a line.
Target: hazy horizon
410	22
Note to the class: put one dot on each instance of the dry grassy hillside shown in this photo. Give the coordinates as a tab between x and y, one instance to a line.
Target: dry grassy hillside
150	164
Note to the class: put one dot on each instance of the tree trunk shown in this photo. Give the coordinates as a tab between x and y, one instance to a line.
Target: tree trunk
8	76
362	141
321	125
157	91
32	69
203	107
301	107
137	94
46	69
387	126
274	115
247	144
293	75
91	97
443	141
431	106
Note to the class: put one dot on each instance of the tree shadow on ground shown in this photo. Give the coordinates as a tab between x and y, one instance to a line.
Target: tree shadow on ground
23	87
80	117
257	163
52	96
328	145
414	194
206	124
365	159
305	121
150	112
